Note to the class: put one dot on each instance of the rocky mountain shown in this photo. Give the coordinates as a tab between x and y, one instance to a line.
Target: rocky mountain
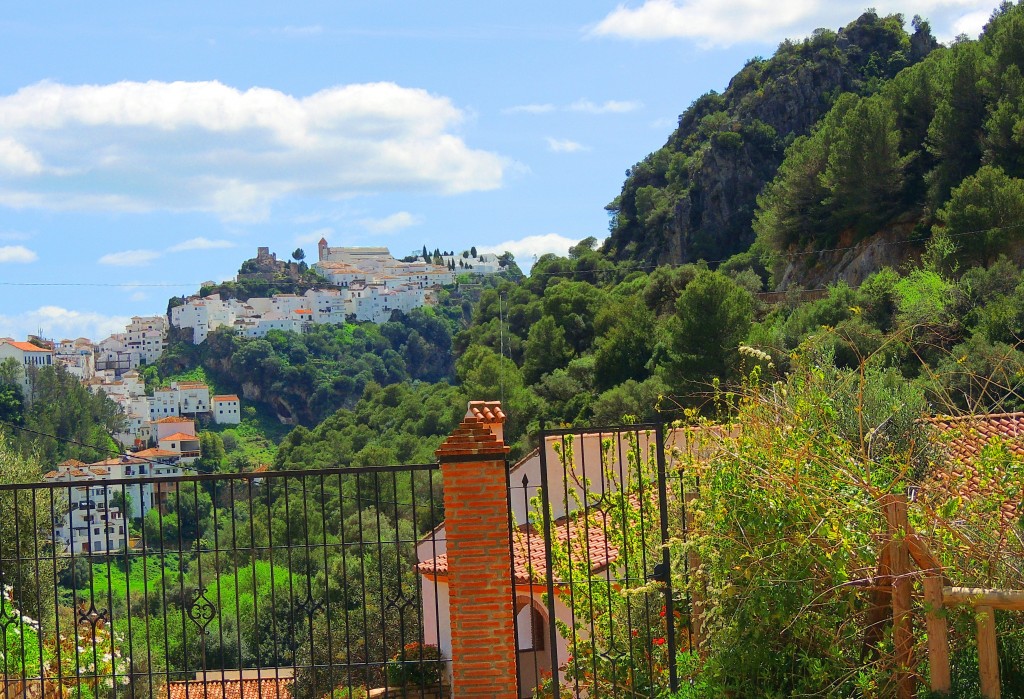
695	197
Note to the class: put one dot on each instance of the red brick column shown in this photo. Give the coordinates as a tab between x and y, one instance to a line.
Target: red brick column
479	564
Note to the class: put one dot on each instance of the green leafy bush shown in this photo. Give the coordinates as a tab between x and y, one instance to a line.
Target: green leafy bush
417	665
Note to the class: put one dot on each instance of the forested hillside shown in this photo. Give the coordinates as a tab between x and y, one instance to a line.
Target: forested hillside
839	155
695	197
304	378
926	138
937	152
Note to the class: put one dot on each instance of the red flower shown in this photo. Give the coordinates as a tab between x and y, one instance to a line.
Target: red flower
658	641
635	633
663	610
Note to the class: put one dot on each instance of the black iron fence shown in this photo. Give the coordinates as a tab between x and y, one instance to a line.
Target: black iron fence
594	511
298	584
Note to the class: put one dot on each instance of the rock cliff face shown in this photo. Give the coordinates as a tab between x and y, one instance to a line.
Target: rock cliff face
851	262
695	198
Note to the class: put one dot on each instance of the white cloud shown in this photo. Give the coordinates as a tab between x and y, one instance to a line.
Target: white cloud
581	105
200	243
727	22
304	31
525	249
971	24
16	159
564	145
314	236
57	322
129	258
392	223
17	253
531	109
609	107
205	146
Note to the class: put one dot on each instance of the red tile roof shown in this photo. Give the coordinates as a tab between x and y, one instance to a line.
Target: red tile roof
967	435
231	689
151	453
228	397
26	346
528	547
179	437
964	438
165	420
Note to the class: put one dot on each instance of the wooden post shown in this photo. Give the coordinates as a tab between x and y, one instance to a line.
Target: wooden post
902	628
988	655
938	637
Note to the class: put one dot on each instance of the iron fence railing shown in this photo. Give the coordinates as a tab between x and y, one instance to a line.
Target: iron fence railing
297	584
594	511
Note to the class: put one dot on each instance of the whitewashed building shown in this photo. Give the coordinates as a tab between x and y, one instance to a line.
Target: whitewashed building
227	410
28	357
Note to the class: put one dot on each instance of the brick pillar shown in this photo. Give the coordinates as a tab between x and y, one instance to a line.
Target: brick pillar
479	564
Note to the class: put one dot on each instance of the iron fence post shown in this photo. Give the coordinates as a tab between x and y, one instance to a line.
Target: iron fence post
548	543
666	558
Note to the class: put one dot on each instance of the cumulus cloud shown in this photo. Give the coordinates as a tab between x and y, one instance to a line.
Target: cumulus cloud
17	253
206	146
564	145
200	243
971	24
727	22
525	249
129	258
389	224
59	322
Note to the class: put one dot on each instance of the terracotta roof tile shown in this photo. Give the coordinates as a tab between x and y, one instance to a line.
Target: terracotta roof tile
964	438
26	346
152	453
180	436
487	410
231	689
165	420
528	547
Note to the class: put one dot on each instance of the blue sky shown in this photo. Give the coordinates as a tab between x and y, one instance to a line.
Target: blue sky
147	147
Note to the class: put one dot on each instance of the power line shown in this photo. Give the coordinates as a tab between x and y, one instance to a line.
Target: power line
787	255
68	440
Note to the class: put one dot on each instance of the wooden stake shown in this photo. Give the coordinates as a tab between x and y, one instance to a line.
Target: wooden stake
938	638
902	622
988	654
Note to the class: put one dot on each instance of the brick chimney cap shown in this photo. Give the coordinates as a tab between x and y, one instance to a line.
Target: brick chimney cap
489	411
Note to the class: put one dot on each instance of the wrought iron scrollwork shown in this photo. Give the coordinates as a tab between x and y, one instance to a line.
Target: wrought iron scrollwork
201	610
310	605
92	616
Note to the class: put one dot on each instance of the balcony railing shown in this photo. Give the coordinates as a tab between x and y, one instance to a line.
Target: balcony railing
302	582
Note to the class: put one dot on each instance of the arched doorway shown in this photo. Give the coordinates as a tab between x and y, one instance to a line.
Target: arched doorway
534	656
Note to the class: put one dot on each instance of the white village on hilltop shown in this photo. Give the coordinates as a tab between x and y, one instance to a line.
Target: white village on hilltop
159	434
367	284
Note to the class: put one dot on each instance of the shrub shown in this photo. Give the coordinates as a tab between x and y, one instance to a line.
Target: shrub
417	665
347	693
